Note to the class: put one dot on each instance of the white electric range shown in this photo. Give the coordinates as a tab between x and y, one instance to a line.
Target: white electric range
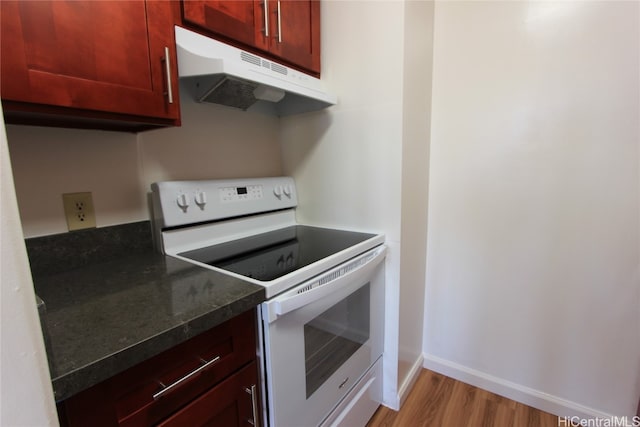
321	327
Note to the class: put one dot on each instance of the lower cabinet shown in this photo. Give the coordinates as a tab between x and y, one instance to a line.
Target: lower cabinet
230	403
209	380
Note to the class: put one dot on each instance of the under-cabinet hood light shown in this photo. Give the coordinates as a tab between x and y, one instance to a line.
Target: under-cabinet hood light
219	73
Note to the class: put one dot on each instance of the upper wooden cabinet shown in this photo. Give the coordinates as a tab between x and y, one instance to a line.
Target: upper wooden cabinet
103	61
241	20
290	30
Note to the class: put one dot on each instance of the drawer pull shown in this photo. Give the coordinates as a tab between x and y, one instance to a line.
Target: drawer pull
265	5
255	422
279	23
167	70
166	389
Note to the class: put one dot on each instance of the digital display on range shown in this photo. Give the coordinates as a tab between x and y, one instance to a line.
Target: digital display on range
241	190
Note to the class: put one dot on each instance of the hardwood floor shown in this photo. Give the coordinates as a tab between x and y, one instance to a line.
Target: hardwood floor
439	401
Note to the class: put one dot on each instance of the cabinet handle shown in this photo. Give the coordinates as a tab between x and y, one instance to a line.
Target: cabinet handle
255	422
265	5
167	68
168	388
279	24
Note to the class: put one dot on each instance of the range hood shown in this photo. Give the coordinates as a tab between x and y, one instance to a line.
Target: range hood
219	73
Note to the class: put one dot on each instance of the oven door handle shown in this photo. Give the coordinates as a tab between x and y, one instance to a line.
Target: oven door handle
348	276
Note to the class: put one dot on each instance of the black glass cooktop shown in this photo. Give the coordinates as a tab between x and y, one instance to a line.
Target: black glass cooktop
271	255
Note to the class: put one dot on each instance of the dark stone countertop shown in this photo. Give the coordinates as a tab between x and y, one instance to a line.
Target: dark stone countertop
104	317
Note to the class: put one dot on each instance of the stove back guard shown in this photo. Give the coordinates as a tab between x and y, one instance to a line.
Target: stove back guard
184	203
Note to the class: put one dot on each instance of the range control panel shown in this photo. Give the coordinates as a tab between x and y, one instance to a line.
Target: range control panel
177	203
237	194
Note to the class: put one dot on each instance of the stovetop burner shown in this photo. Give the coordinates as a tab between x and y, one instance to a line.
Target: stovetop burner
271	255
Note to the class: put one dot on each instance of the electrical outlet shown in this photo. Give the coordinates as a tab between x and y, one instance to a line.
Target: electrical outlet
78	208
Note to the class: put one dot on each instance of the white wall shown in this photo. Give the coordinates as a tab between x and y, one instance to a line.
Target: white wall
26	395
213	142
118	168
347	161
533	247
416	129
350	155
48	162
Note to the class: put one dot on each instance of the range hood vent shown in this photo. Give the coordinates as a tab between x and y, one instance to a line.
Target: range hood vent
222	74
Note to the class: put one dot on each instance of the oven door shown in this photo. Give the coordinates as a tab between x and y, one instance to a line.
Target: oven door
321	337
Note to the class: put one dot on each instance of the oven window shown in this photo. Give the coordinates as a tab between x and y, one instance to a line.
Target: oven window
333	336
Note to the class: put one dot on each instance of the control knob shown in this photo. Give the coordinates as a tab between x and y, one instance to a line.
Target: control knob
183	202
287	190
201	199
277	190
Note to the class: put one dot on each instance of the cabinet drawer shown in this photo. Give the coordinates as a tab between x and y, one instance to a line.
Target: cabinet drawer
227	404
156	388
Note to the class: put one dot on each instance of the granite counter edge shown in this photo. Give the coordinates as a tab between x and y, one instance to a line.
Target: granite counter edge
71	383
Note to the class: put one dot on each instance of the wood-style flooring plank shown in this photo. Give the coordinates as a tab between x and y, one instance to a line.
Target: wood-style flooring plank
440	401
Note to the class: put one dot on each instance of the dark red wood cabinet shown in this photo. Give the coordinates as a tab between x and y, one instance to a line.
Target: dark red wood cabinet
241	20
285	29
95	60
228	404
211	379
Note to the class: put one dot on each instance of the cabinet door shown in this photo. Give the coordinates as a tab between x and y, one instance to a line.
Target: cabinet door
290	30
241	20
296	32
227	404
105	56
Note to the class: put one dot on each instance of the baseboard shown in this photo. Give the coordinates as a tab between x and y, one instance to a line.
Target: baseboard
410	380
534	398
394	397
